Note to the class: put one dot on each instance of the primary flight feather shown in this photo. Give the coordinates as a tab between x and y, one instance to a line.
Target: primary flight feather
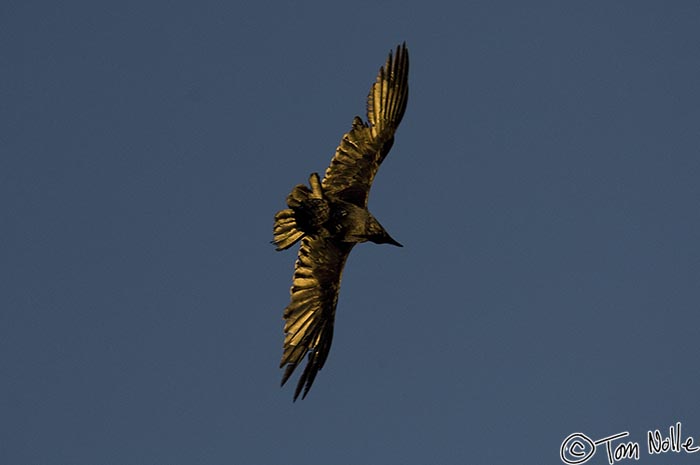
330	217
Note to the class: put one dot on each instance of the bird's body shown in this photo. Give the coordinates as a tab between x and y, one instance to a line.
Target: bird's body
331	217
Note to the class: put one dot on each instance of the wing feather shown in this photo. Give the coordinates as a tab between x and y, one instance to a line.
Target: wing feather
364	147
310	315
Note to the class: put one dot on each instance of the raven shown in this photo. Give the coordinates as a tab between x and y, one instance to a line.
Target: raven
331	217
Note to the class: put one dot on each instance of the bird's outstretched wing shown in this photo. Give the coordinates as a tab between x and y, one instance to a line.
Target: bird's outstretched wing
361	151
309	317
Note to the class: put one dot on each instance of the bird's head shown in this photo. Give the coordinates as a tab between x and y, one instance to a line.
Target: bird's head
376	233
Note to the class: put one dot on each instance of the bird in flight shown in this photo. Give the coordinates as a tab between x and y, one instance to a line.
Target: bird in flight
330	217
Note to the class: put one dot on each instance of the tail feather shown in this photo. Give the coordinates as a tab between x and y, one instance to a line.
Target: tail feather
286	231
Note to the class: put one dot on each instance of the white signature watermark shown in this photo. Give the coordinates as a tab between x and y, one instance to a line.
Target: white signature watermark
578	448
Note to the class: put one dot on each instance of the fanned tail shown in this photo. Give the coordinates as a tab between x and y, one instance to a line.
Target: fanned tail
286	231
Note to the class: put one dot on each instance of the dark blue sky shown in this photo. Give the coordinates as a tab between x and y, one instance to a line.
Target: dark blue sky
544	183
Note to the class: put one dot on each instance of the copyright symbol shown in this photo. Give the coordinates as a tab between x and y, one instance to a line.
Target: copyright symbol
576	448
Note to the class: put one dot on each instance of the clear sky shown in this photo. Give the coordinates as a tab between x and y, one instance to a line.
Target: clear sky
544	183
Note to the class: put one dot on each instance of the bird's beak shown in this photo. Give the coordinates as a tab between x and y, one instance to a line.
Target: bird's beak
390	240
